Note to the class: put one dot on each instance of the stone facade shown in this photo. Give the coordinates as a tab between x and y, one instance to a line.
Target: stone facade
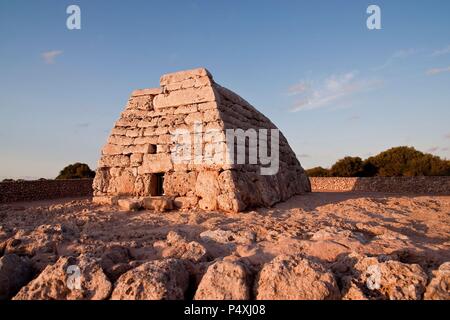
138	159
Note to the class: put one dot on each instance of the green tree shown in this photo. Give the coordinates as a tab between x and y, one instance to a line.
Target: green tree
76	171
318	172
394	162
348	167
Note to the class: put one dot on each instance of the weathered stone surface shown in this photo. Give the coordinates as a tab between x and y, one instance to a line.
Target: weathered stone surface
158	203
154	280
179	183
227	236
185	202
41	240
207	188
15	272
176	246
391	279
295	278
129	204
156	163
114	261
439	286
59	282
224	280
184	75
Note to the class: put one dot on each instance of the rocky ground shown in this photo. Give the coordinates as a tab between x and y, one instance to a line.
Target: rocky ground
315	246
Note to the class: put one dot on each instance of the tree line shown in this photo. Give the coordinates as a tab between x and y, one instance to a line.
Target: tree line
394	162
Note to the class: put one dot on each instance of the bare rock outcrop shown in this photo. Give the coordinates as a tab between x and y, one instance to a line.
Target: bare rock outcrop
115	261
295	278
69	278
374	278
178	247
154	280
15	272
225	280
439	286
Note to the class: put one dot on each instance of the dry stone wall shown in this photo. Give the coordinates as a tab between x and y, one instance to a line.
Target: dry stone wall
141	148
411	185
15	191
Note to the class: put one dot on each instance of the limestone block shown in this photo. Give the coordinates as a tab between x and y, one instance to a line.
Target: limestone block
129	204
136	159
184	97
105	200
196	117
123	184
133	133
179	183
207	106
140	103
185	202
154	163
151	139
160	203
140	148
120	140
114	161
146	92
207	188
112	149
184	75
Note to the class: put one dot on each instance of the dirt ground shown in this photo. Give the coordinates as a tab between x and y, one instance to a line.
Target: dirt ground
318	225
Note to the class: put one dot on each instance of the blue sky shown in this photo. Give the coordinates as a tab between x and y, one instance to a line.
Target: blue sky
331	85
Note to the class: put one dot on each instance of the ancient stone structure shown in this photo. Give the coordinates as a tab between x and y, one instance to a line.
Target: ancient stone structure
138	160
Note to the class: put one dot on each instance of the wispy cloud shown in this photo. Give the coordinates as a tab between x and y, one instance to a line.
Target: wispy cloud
437	149
441	52
303	155
433	149
50	56
447	136
330	90
398	55
436	71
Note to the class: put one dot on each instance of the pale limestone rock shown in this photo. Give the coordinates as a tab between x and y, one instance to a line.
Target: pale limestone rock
158	203
176	246
154	280
129	204
295	278
379	279
55	282
224	280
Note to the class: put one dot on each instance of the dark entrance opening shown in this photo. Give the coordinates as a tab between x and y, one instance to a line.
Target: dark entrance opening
157	184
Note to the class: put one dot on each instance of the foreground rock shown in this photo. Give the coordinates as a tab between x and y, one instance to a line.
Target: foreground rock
295	278
178	247
439	287
115	261
368	278
224	280
15	272
68	279
154	280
